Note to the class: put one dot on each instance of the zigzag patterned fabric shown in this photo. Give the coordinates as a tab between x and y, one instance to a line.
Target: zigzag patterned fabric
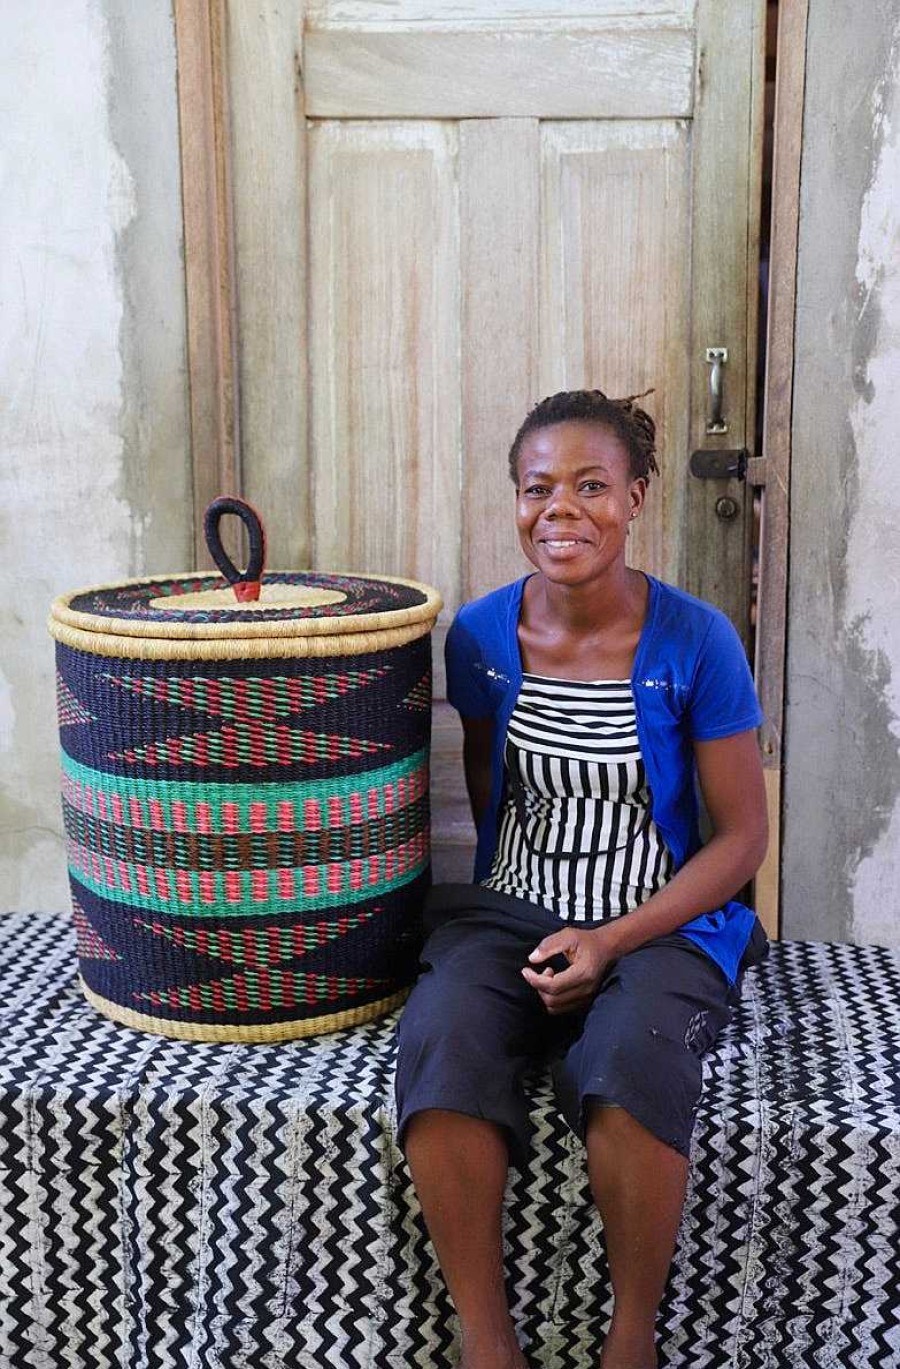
166	1203
248	840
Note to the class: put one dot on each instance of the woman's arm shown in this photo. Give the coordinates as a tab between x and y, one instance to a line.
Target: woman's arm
478	743
731	780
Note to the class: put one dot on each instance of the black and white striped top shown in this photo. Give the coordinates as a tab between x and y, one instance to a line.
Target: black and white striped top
575	831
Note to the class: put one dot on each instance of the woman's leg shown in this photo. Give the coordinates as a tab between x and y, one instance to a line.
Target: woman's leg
464	1037
631	1083
459	1165
638	1183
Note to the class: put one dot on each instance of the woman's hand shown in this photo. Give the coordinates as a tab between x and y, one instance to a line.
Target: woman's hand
590	953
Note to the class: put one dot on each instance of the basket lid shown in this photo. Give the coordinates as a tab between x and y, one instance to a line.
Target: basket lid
290	604
240	605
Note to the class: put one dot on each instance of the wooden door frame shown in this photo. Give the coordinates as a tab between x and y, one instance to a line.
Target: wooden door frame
771	636
240	89
203	113
212	283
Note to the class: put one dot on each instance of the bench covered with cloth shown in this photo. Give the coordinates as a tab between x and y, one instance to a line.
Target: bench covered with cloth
167	1203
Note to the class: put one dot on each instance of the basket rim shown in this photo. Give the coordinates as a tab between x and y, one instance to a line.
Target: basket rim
201	650
260	1034
159	630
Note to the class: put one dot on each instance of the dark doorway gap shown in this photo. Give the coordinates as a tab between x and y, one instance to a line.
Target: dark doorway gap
765	241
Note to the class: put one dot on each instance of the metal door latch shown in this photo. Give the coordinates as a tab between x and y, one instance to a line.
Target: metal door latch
732	463
729	463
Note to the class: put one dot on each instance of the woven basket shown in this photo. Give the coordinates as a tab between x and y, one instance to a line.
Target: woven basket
245	792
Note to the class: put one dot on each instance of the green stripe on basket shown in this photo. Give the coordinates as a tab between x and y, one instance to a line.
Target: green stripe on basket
170	806
243	893
125	789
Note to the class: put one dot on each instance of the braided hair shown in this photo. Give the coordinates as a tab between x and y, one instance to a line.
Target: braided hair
632	426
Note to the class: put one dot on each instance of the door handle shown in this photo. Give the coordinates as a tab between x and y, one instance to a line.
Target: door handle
716	359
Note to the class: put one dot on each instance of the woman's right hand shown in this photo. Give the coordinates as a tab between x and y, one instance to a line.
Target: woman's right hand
590	951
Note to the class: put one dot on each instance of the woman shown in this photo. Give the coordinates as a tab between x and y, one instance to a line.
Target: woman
599	927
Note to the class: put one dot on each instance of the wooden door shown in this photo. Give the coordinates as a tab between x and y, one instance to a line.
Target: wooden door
522	200
445	211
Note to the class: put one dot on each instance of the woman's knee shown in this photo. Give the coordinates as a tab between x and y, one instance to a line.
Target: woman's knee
612	1128
652	1078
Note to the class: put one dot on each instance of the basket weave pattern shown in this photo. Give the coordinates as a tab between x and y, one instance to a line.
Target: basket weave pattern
248	840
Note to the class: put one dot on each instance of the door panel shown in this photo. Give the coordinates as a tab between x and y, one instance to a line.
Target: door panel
384	348
500	234
634	70
616	260
574	14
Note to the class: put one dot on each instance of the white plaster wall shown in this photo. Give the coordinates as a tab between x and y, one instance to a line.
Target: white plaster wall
872	606
76	506
841	821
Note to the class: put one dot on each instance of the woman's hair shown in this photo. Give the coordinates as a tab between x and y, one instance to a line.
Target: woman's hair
633	426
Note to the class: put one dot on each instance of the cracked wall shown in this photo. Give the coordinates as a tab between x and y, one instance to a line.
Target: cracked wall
94	458
841	872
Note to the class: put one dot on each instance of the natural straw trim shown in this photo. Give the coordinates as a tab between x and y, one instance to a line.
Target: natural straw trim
235	649
161	629
258	1035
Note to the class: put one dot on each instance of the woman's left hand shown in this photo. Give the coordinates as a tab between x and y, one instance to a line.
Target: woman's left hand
590	953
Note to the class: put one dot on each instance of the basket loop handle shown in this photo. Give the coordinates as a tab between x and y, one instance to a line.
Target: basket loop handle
245	583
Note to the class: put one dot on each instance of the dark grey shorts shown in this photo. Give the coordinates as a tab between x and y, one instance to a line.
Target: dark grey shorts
472	1026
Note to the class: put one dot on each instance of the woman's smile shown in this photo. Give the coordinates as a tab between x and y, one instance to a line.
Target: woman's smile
562	544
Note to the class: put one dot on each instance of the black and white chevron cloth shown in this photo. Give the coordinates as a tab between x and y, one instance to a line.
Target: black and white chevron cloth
168	1205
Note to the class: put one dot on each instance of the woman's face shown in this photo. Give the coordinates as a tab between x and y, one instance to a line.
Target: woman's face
574	501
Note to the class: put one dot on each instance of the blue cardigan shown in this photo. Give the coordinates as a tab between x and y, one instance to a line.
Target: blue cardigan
691	682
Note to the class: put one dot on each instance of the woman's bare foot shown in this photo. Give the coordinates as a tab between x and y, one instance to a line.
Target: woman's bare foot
491	1351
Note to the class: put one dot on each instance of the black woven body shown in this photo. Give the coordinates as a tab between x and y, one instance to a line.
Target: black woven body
248	840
